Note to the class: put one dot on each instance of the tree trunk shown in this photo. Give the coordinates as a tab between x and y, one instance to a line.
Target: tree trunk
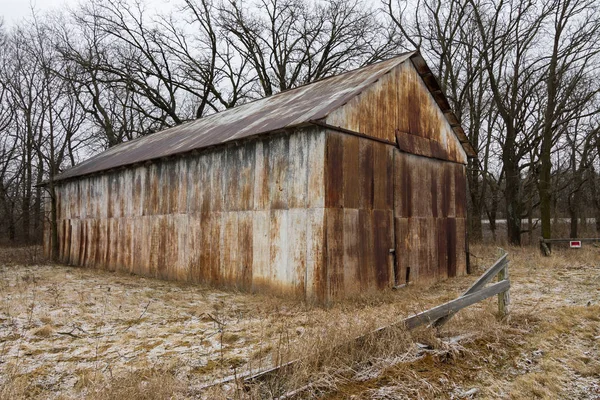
512	198
475	226
53	223
545	189
574	215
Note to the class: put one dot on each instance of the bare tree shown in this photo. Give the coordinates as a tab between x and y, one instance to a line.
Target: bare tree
575	47
293	42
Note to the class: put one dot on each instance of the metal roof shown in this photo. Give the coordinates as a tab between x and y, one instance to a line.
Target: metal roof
287	109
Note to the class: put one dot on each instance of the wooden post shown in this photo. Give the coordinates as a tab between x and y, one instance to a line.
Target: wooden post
545	249
503	297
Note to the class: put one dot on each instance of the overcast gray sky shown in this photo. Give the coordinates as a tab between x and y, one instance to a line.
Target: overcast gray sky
15	10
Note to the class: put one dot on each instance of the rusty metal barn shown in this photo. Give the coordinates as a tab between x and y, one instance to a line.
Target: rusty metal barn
350	184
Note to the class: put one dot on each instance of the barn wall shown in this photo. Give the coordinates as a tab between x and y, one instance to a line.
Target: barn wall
250	216
423	174
359	215
399	108
429	218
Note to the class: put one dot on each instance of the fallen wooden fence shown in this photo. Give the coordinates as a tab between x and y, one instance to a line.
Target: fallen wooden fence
436	316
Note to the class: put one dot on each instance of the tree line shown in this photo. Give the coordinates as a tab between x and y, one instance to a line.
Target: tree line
522	77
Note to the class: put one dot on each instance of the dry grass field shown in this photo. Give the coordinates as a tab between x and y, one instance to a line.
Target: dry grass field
69	332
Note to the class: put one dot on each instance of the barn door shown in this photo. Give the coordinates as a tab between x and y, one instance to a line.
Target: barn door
429	219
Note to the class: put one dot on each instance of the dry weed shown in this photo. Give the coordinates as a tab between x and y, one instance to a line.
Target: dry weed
75	332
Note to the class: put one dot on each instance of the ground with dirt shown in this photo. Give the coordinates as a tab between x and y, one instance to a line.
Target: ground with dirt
69	332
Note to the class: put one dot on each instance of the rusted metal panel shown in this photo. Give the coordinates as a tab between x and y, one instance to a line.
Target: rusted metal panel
279	182
278	251
245	250
261	245
403	249
151	203
383	236
334	220
400	107
403	198
359	216
461	246
215	248
261	176
351	172
231	163
298	170
217	181
247	159
205	183
192	176
442	247
366	250
316	266
74	245
352	278
365	181
296	254
195	272
374	111
460	192
205	267
429	240
229	248
183	253
383	175
316	169
334	170
451	235
181	188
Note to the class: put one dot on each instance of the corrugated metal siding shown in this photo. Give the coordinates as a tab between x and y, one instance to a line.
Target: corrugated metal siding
430	216
249	216
401	108
359	215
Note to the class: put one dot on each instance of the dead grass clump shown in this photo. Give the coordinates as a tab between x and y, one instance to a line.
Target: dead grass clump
333	357
16	385
44	331
230	338
586	366
150	384
543	385
24	255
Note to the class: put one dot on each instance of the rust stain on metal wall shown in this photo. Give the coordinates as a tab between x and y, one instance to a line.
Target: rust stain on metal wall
400	107
206	218
359	219
430	239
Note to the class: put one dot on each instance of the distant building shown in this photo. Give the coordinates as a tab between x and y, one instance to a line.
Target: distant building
349	184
